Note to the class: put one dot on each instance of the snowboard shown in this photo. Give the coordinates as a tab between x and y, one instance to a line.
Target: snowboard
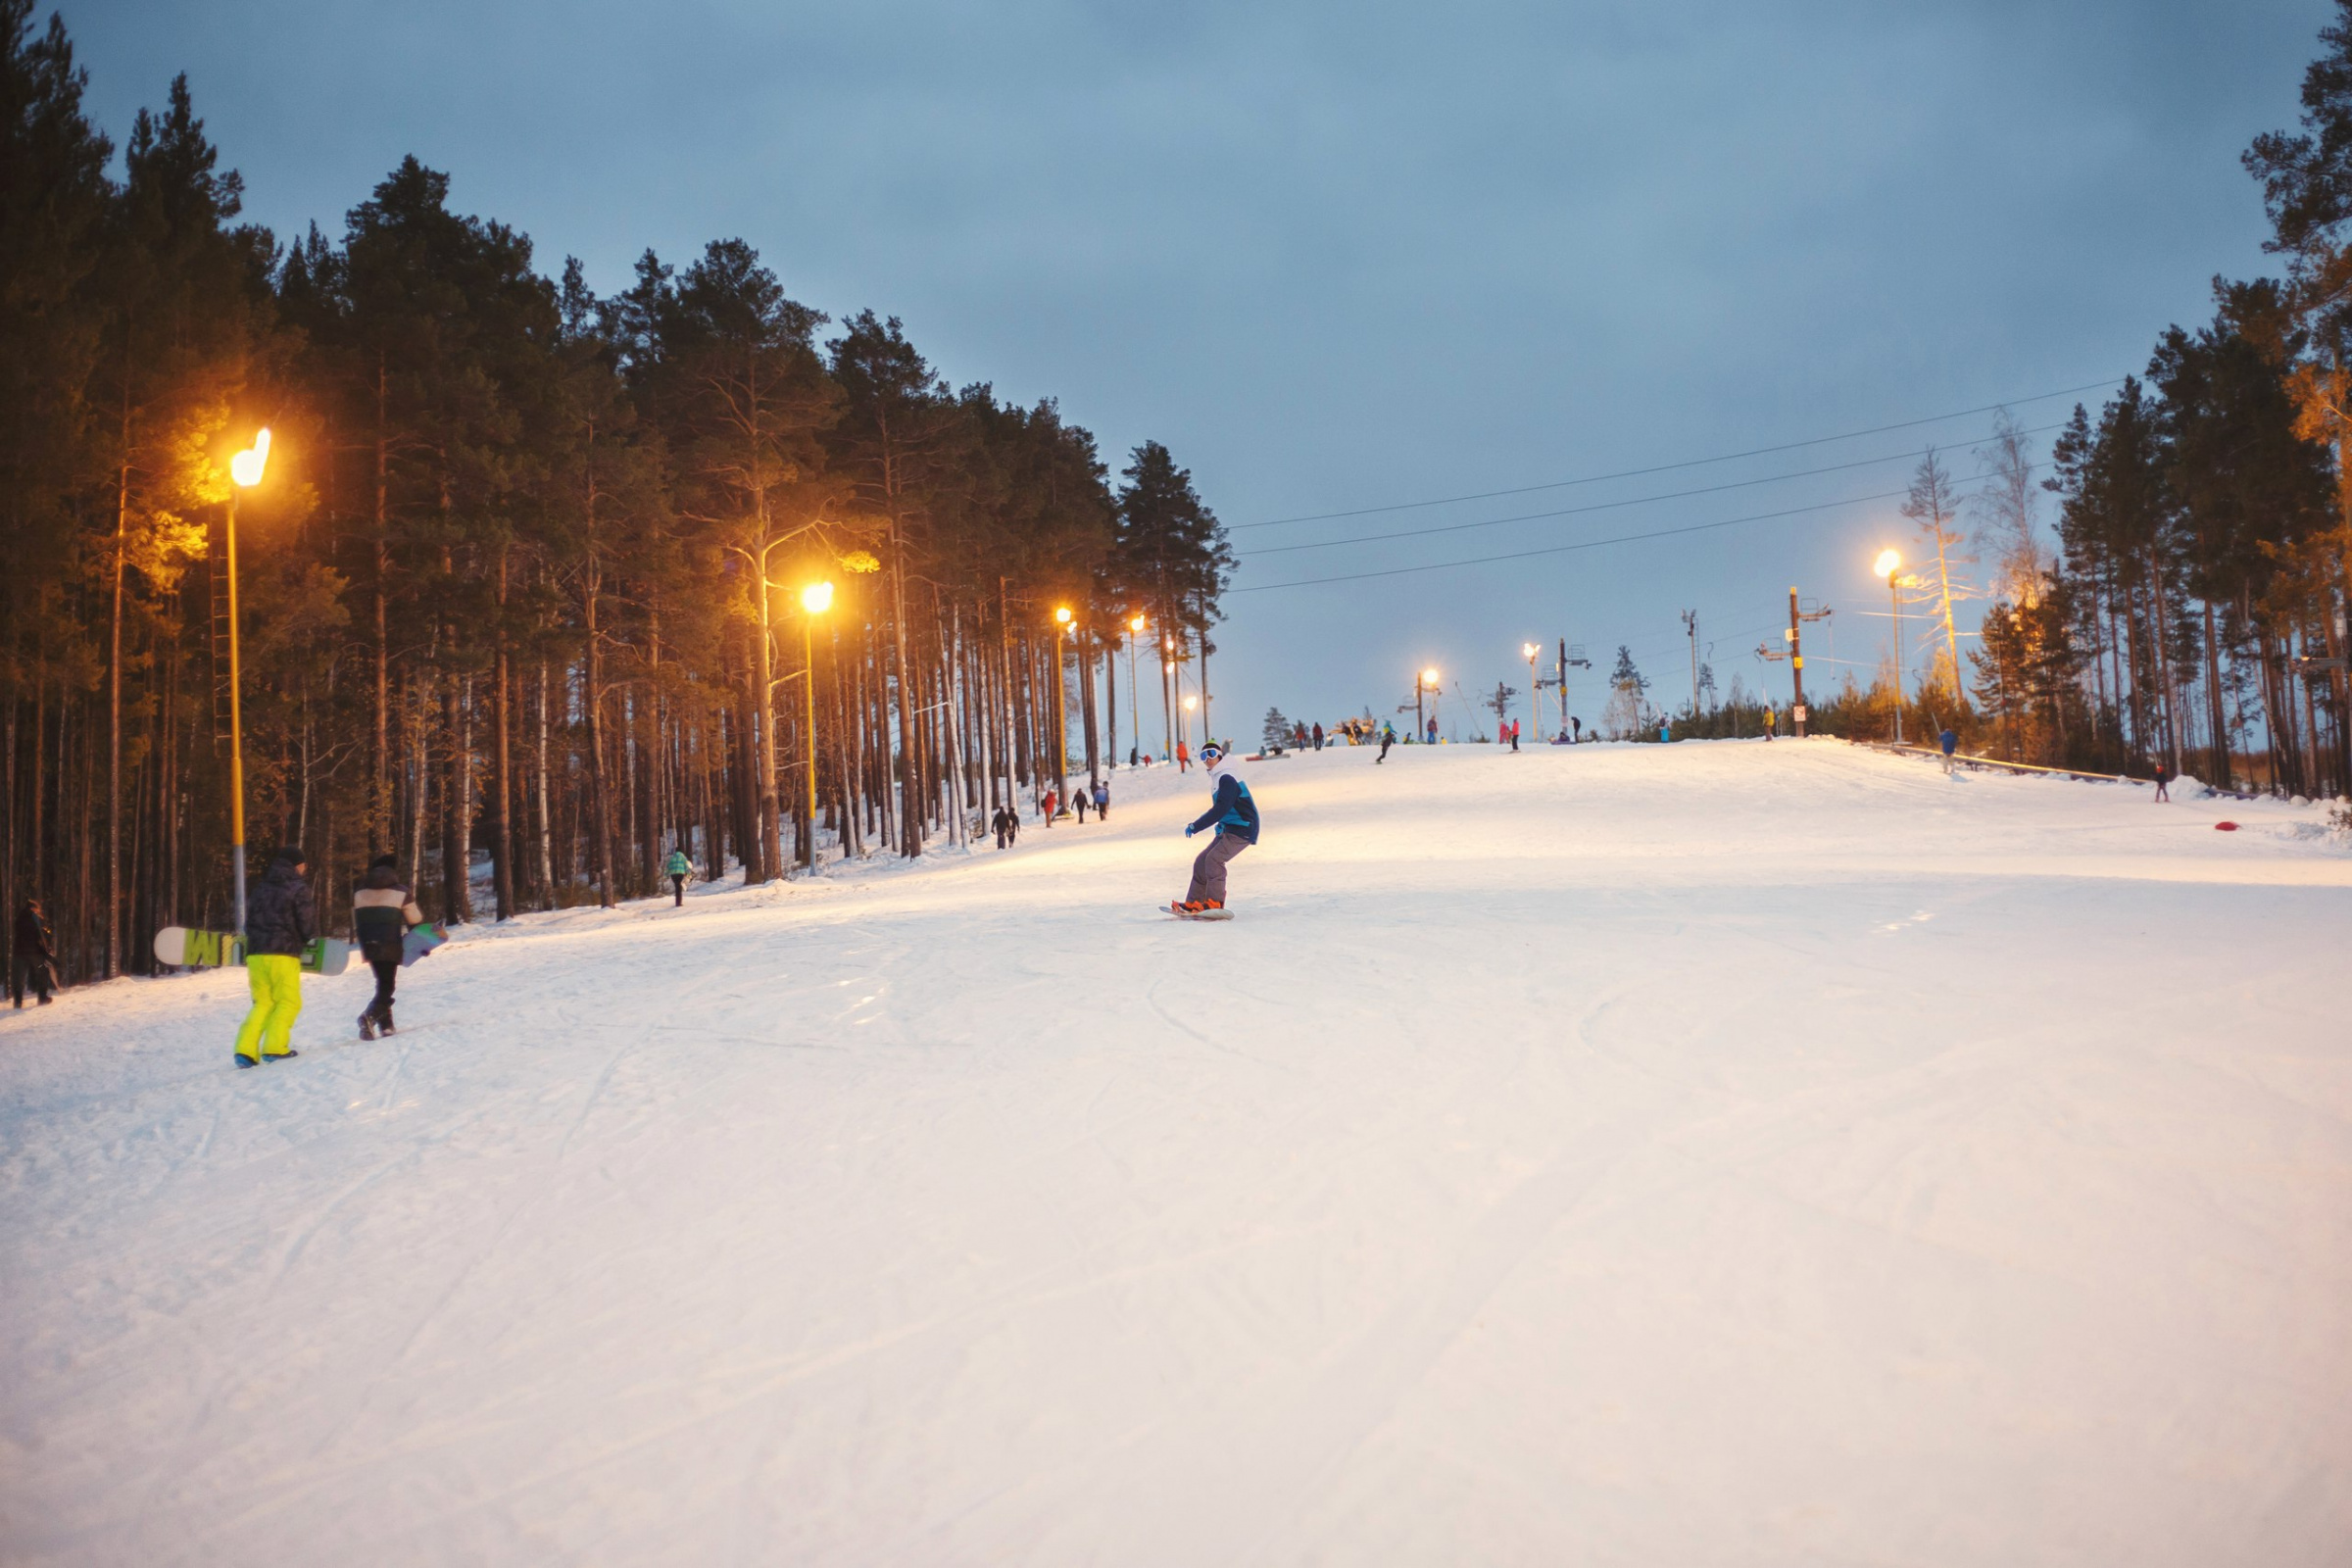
1202	914
185	948
419	943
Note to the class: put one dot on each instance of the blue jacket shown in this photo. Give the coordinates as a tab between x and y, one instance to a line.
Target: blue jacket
1950	741
1232	811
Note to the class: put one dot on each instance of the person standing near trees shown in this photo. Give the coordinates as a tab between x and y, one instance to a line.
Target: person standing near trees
677	869
282	920
1007	825
382	913
2163	777
35	956
1948	743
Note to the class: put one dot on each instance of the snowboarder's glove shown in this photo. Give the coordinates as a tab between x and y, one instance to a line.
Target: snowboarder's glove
1190	828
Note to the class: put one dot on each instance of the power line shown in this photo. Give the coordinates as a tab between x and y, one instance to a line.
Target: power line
1586	544
1668	468
1599	505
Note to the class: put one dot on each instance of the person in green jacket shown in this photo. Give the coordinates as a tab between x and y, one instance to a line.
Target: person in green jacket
677	869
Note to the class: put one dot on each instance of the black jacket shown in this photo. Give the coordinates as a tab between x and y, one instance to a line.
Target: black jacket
279	914
32	935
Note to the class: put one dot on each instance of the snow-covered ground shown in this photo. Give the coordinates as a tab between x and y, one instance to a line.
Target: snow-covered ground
1692	1155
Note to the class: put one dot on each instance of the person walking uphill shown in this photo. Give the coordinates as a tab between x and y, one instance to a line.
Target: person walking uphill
1233	815
677	869
382	913
33	968
280	921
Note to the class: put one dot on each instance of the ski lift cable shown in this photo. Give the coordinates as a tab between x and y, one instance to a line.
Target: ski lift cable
1692	463
1605	506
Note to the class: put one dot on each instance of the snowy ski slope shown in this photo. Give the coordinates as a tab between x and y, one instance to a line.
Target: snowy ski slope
1698	1155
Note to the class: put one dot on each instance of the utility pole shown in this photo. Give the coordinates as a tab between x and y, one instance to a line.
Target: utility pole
1691	625
1796	657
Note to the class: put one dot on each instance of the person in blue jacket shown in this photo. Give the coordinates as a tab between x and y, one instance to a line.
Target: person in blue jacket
1950	744
1233	815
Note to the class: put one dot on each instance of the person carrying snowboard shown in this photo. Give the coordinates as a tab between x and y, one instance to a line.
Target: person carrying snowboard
382	913
677	869
282	920
1232	814
35	957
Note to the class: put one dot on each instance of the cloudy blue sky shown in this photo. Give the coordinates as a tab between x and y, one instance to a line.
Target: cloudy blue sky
1350	256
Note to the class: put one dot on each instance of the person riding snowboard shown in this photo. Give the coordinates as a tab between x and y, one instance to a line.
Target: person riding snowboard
1233	815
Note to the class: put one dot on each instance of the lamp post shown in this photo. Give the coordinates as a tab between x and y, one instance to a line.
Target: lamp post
1535	708
245	470
1169	680
1424	680
1135	712
815	600
1064	629
1886	565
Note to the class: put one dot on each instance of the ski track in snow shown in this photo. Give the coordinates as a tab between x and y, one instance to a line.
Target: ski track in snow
1698	1154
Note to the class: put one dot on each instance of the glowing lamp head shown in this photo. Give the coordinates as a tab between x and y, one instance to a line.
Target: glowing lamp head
1062	614
1885	566
1137	624
247	465
1428	677
1527	651
1190	702
817	598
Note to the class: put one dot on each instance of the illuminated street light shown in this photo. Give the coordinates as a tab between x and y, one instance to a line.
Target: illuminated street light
1529	650
815	599
245	468
1886	565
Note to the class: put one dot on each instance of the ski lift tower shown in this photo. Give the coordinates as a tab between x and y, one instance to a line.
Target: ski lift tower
1572	657
1793	636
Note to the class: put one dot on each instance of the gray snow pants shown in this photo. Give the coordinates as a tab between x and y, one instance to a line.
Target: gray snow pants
1209	868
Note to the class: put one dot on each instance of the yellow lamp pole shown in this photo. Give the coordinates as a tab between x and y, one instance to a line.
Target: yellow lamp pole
1888	564
1134	712
245	470
815	600
1535	707
1064	631
1425	680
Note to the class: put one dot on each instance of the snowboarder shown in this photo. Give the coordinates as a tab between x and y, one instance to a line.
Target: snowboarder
2163	777
677	869
1007	825
1102	799
1388	738
281	920
1317	737
382	913
1233	816
34	968
1948	743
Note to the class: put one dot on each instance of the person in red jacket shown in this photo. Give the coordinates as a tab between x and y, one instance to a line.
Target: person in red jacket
1183	758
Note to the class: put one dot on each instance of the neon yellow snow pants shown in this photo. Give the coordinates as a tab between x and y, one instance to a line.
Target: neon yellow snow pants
276	984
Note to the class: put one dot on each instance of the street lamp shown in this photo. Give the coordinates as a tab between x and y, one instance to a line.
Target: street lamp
1529	650
1061	722
1135	712
1886	565
1425	680
245	468
815	600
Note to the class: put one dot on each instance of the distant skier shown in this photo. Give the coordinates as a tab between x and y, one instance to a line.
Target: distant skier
1433	729
1514	734
1102	799
382	913
2164	775
1772	720
1007	825
282	919
1388	738
1317	736
1232	814
1949	743
677	869
35	956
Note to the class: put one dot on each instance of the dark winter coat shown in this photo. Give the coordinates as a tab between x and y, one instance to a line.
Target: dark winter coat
382	909
281	916
32	935
1232	811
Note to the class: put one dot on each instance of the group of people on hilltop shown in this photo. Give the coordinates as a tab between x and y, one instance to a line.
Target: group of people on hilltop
1006	823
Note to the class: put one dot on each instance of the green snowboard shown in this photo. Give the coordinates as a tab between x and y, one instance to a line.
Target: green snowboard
190	949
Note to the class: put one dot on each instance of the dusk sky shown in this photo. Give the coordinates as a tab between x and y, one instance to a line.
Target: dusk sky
1346	257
